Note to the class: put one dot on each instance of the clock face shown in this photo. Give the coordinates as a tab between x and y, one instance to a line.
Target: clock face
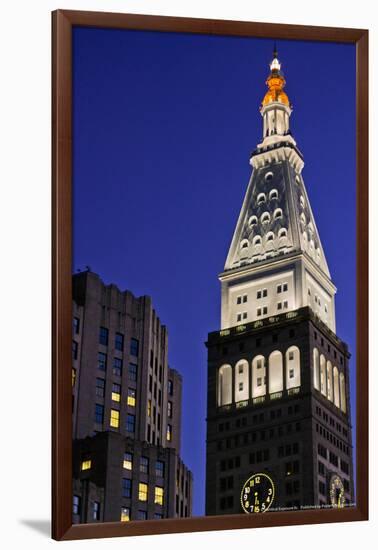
257	494
336	492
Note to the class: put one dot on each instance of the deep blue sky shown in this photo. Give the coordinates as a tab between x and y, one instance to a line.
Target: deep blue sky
163	127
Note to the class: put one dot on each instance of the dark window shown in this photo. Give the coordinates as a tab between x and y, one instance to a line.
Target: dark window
321	468
159	468
170	409
100	387
322	450
158	516
75	348
118	341
76	505
170	387
144	463
130	423
76	325
126	487
133	372
104	336
291	333
96	510
99	413
333	459
322	488
344	467
134	347
101	361
117	366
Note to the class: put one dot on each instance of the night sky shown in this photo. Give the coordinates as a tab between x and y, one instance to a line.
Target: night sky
163	127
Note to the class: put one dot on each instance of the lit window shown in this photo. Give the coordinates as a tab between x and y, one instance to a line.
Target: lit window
86	464
170	409
76	505
118	341
73	377
134	347
114	418
116	392
131	393
169	432
117	366
99	413
125	514
103	336
128	461
126	487
149	407
159	468
143	492
130	423
133	372
159	495
101	361
96	510
100	387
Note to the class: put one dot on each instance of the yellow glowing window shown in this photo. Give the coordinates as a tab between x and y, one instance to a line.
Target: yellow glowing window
73	377
169	432
143	492
159	495
125	514
86	464
116	392
114	418
131	397
149	407
128	461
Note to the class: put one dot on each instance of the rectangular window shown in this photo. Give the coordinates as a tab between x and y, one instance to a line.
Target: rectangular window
100	387
114	418
285	304
134	347
284	287
239	300
103	336
130	423
279	289
170	387
133	372
159	468
101	364
159	495
291	373
265	310
321	468
117	366
128	461
279	306
291	355
144	464
76	325
99	413
259	312
170	409
76	505
238	318
118	344
143	492
142	515
259	381
245	315
240	386
86	464
169	432
125	514
75	348
265	292
116	392
126	487
131	397
96	510
73	376
158	516
245	298
149	407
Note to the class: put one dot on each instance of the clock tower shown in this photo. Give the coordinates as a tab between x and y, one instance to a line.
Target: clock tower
278	419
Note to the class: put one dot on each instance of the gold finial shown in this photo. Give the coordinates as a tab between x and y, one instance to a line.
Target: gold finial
275	83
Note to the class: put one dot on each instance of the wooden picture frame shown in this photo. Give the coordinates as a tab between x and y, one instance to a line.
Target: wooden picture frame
62	24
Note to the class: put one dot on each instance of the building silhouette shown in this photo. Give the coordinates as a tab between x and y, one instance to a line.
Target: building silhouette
278	418
126	405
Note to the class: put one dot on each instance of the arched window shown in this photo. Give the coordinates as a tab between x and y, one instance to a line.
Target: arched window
275	372
315	367
270	237
302	201
329	381
273	194
241	381
261	198
293	367
265	218
269	176
297	179
323	380
252	221
224	385
342	392
277	214
244	243
336	388
258	376
282	234
257	240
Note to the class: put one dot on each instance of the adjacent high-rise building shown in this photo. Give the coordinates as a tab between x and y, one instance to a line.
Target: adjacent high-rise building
278	419
126	406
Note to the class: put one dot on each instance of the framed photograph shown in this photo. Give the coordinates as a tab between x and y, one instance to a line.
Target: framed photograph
210	197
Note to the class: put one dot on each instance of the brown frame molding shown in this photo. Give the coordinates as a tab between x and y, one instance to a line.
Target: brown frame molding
62	23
